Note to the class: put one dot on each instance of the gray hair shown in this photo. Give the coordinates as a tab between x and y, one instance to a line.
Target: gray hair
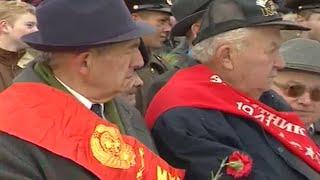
204	50
55	59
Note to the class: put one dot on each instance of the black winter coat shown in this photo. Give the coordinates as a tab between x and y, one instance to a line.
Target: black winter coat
199	139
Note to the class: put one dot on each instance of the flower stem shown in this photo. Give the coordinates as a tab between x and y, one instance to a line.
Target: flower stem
218	174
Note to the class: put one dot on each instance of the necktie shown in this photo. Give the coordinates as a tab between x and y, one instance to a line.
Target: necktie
97	108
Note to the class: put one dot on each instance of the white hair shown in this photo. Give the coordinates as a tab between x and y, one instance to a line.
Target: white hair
204	50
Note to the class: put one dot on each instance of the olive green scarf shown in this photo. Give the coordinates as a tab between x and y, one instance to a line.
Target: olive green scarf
45	73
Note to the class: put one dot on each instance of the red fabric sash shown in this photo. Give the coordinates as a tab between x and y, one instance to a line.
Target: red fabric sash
200	87
57	122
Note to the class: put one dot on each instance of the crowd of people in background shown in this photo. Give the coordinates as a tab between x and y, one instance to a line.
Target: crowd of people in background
160	89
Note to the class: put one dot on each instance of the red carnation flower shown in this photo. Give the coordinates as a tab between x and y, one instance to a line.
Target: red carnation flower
239	165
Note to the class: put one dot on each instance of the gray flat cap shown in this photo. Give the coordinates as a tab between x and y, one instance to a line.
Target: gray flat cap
301	54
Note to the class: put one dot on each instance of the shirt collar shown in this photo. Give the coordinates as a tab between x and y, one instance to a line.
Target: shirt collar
86	102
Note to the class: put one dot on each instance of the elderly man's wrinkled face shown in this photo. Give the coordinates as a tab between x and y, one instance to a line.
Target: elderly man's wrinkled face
24	24
302	91
113	68
257	64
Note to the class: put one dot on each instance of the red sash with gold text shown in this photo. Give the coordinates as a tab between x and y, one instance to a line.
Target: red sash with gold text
56	121
200	87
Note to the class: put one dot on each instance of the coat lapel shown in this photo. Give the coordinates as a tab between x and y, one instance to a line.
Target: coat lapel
292	160
134	124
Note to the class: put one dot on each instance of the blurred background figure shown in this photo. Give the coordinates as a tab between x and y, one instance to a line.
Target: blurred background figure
299	82
306	13
188	14
16	19
155	13
309	15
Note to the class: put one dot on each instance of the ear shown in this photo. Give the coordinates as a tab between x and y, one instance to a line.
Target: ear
136	16
4	26
195	28
83	62
224	56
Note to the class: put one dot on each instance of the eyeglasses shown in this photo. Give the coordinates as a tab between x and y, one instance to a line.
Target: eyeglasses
295	90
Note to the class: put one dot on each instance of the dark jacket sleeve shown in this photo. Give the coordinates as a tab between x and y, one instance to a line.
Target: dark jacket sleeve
186	139
21	160
13	163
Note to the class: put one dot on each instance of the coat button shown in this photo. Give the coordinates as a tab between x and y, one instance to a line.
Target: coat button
280	149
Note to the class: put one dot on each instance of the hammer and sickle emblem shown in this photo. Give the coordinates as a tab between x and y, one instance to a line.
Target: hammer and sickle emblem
110	150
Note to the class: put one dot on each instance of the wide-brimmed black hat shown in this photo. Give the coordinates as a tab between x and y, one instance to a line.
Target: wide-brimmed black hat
81	24
187	12
225	15
150	5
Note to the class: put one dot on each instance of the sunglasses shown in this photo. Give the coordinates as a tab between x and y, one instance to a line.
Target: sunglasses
296	90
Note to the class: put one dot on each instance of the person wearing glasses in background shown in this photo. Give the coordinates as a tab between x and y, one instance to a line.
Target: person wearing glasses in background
299	82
